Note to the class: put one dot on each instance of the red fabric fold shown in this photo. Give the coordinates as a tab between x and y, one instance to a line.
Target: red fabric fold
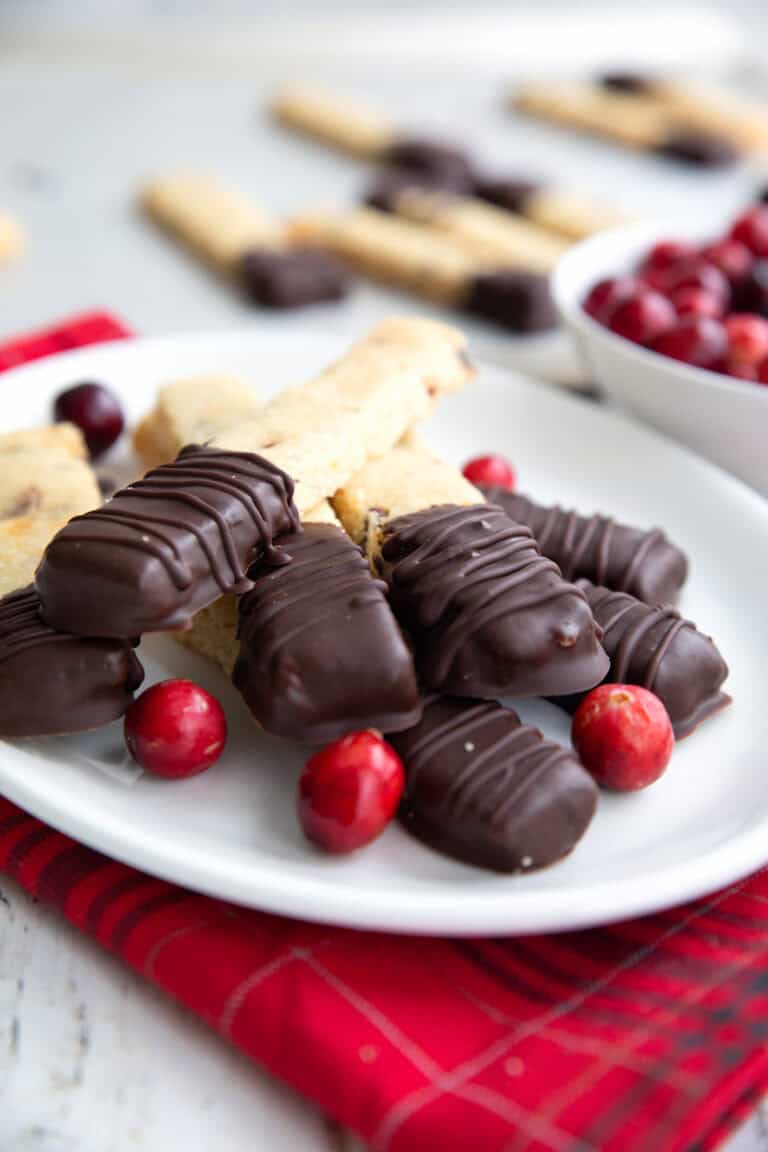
646	1036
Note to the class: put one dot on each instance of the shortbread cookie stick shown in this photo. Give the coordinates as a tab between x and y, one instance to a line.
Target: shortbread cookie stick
485	788
360	132
636	120
656	648
321	432
426	261
700	109
192	410
214	629
51	439
236	239
557	216
44	480
320	653
488	614
494	237
640	561
338	122
213	221
565	213
11	238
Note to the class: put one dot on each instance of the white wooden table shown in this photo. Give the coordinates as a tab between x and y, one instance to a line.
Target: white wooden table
91	1059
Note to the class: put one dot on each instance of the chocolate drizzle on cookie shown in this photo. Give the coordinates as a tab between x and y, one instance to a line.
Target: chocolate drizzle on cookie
658	649
487	789
54	683
597	548
488	614
320	651
168	545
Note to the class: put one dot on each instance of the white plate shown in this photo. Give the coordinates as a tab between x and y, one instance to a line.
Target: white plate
232	832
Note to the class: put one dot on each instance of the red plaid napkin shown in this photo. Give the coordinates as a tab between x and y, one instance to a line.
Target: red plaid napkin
648	1036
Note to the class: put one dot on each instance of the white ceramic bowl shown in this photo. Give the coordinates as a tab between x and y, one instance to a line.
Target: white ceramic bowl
724	419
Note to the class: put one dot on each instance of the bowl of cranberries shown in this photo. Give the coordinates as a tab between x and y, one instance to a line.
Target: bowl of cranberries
673	324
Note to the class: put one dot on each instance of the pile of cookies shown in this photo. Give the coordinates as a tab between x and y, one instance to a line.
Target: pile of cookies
432	224
653	114
347	579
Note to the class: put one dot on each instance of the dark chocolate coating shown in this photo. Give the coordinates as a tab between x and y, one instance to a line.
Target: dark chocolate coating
390	184
292	277
633	83
320	652
485	788
505	192
659	650
699	149
167	546
643	563
488	614
519	301
435	158
52	683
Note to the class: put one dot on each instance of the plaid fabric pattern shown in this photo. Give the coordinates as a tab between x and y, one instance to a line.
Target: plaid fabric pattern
647	1036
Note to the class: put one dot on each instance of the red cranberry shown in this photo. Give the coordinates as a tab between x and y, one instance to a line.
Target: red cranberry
606	294
697	273
747	337
175	729
642	317
97	413
490	472
695	340
732	257
623	736
762	372
697	302
751	228
349	791
662	257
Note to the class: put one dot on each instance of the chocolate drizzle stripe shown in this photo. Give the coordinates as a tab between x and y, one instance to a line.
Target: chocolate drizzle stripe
200	505
220	472
228	484
636	562
476	774
634	633
331	580
495	609
140	523
641	562
531	780
467	723
320	652
511	801
661	651
604	549
21	626
455	573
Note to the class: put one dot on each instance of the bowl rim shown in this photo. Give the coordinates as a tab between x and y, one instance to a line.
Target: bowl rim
572	278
